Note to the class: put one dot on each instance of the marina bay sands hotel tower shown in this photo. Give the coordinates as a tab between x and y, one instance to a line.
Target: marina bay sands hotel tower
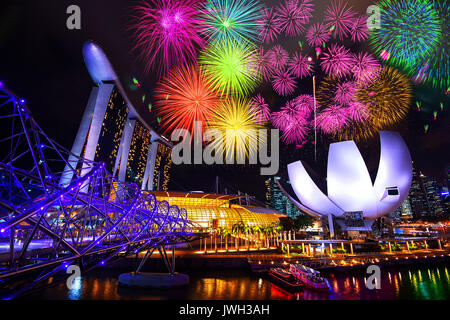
112	131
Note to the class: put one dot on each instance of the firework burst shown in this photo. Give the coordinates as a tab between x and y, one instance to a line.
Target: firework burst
345	93
231	66
358	112
359	31
365	68
267	25
337	61
167	31
260	109
388	98
299	65
332	119
264	65
278	56
410	31
290	18
317	35
304	104
184	96
231	20
283	82
293	123
339	17
238	126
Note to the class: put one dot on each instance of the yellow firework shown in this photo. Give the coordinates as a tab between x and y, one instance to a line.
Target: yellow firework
237	129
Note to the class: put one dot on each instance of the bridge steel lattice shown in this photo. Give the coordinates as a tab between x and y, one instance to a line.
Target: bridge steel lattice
45	227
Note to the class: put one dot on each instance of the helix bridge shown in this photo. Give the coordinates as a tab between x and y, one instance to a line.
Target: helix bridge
95	219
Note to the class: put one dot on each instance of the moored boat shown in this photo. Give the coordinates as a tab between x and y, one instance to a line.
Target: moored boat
309	277
285	279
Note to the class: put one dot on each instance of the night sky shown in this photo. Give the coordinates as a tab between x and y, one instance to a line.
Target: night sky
41	61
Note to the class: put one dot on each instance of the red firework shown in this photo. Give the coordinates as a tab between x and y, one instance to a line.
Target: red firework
339	16
184	96
167	32
300	66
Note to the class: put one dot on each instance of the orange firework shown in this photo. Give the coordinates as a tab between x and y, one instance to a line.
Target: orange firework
184	96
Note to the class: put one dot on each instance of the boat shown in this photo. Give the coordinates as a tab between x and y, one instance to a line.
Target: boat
309	277
285	279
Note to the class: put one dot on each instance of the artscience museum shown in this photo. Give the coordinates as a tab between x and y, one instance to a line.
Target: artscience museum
351	198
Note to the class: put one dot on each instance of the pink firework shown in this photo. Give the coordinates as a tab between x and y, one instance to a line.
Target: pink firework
358	111
296	131
359	31
317	34
278	57
167	32
283	82
345	93
264	65
267	25
290	18
337	61
339	17
365	68
292	123
304	104
300	66
260	109
306	8
332	119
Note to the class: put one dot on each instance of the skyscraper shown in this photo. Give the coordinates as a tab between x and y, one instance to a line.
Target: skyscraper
276	199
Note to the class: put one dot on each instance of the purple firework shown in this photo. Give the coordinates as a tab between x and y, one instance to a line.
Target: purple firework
296	131
339	17
260	109
332	119
167	31
337	61
345	93
300	66
290	18
317	34
283	82
264	65
267	25
359	31
292	123
304	104
358	111
306	8
365	68
278	57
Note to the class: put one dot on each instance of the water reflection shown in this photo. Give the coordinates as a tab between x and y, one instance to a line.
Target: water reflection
401	283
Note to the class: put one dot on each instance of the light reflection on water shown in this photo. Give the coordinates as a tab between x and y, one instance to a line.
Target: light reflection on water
400	283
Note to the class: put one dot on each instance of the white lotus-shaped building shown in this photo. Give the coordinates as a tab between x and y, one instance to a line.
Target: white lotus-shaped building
349	185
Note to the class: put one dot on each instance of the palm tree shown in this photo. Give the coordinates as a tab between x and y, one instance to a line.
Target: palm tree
225	234
248	230
257	229
236	230
217	231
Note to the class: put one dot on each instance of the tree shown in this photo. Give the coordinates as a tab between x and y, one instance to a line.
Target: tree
302	221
